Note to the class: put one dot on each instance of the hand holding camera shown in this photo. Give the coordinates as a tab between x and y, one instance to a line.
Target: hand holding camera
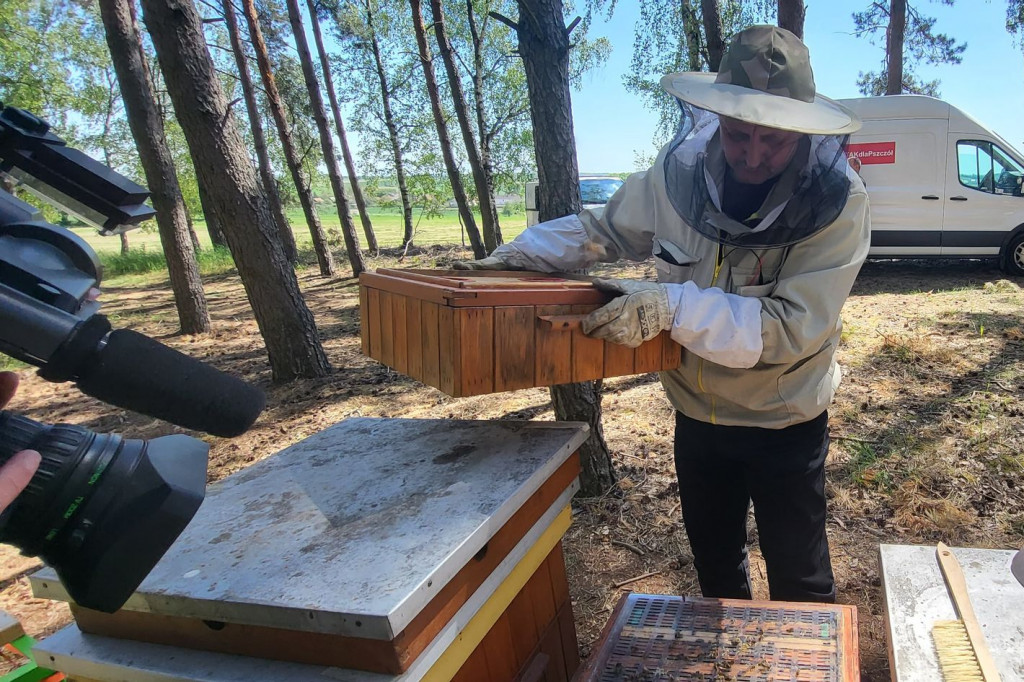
18	470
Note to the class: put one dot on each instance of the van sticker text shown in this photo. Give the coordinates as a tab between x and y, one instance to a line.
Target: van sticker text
872	152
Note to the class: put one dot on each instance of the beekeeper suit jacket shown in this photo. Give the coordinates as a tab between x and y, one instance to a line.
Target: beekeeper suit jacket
755	304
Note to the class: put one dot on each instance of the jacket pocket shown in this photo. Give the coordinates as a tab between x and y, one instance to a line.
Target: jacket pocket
756	290
672	262
808	387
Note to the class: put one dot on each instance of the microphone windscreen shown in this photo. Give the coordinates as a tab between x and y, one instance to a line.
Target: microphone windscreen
138	373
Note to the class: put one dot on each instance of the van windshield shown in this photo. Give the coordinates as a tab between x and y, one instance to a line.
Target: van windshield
598	190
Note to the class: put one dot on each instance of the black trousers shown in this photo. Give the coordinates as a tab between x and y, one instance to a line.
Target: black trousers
721	469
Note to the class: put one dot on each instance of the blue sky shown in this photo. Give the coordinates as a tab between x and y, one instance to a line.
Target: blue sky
611	125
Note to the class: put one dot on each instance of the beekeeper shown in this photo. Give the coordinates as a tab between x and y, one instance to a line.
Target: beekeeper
758	227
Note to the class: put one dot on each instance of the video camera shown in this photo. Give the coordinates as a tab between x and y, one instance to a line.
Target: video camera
101	509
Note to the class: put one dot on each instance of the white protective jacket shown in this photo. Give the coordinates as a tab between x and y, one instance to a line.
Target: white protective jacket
758	320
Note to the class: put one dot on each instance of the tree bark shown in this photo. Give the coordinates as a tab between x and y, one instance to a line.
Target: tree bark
316	230
465	213
712	17
389	122
210	217
125	43
791	16
259	139
486	162
488	214
544	47
316	100
894	47
346	153
691	27
224	167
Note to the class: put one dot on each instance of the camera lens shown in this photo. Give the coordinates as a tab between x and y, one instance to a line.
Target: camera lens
101	510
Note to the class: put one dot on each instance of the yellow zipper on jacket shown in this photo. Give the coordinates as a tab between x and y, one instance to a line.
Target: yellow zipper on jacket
700	365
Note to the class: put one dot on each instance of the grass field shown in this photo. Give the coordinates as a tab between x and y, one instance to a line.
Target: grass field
387	226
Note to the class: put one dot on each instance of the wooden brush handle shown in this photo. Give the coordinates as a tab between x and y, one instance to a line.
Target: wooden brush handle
962	602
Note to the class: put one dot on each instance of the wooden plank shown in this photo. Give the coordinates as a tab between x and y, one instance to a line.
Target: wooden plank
559	581
450	350
552	350
514	347
476	333
430	326
474	669
524	628
387	331
414	338
399	330
618	360
364	321
649	355
587	353
542	598
499	652
671	353
570	642
457	295
551	644
373	311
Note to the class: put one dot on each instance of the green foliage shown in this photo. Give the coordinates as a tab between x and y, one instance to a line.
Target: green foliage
920	44
661	46
50	51
1015	17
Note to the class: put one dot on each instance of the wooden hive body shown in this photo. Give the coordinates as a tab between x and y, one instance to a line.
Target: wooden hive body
475	332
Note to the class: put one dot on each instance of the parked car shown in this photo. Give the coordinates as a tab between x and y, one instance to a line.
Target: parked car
594	191
941	184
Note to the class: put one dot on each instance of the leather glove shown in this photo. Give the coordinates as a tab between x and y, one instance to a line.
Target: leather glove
489	263
638	314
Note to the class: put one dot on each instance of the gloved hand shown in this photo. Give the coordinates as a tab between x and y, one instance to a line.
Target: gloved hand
640	312
489	263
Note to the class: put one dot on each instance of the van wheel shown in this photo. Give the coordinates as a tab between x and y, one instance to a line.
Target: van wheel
1013	257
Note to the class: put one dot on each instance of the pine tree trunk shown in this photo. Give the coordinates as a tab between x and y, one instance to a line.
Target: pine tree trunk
389	122
544	46
486	162
223	167
791	16
259	139
210	217
712	17
346	153
316	100
316	230
488	214
125	43
894	47
125	248
461	200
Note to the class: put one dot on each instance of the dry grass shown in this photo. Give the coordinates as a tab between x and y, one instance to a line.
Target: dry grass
927	429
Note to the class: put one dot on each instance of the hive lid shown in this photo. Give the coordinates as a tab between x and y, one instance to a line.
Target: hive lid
353	530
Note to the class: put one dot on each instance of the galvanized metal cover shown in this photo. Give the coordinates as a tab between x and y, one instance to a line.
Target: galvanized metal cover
353	530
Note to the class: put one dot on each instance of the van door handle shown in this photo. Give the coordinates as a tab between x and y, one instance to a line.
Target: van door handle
930	197
958	198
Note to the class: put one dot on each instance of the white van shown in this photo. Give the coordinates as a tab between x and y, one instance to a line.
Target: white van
940	183
595	190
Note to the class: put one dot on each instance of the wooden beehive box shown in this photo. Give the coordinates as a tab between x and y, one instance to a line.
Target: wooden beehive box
476	332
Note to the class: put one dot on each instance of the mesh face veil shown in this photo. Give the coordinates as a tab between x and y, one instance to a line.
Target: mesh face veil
808	196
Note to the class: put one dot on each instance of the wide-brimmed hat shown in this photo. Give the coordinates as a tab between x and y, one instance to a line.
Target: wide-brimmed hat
765	78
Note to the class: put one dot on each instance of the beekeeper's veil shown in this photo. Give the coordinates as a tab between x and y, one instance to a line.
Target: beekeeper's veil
765	78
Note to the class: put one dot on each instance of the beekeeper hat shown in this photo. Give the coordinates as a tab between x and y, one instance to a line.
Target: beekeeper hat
765	78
